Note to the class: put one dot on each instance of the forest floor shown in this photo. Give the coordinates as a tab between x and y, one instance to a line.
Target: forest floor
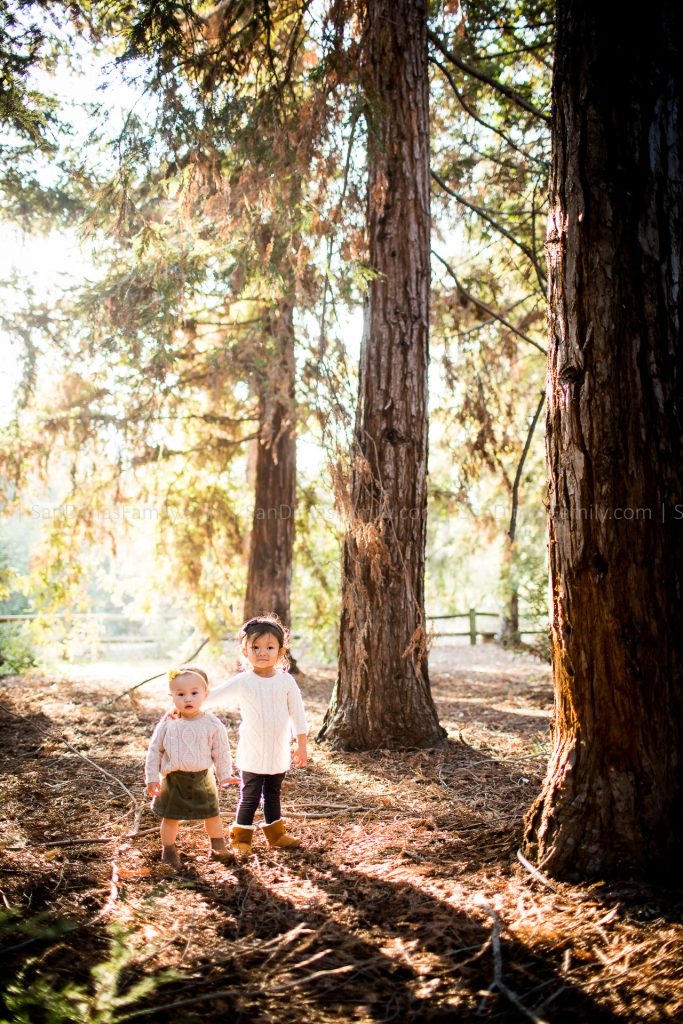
407	902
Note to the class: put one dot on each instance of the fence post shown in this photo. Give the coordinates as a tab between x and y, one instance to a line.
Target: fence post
473	627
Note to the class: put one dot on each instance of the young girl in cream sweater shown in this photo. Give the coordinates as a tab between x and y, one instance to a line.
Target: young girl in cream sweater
183	754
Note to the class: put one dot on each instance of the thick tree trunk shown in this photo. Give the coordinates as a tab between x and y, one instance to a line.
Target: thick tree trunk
269	580
612	802
382	696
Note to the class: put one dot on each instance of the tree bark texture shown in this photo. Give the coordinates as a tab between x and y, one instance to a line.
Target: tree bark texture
612	800
382	696
269	580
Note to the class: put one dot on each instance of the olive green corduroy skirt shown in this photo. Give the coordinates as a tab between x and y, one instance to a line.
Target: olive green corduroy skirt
187	796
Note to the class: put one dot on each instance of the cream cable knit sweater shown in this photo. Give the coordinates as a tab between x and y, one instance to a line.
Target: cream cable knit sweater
272	711
188	745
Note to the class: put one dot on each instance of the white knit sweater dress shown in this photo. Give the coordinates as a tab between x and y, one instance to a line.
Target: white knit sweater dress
272	712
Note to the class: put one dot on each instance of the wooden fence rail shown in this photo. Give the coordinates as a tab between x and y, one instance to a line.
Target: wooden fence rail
472	615
473	630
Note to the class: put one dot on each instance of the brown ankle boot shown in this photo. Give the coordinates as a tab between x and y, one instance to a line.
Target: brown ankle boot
278	837
171	858
219	850
241	838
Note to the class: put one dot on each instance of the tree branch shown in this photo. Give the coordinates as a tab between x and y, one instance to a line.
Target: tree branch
159	675
487	79
529	253
485	124
487	309
158	452
520	467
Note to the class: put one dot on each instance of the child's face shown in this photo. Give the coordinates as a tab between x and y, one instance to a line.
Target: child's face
263	653
188	692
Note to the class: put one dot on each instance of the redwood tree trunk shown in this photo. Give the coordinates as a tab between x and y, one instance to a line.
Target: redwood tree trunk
269	580
382	696
612	804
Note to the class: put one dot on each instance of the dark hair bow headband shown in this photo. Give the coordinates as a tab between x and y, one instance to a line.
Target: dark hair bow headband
263	625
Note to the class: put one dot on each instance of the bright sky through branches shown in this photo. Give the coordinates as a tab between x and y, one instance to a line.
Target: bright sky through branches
44	263
52	263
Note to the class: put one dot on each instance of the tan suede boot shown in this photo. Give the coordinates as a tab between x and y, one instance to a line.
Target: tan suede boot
278	837
241	838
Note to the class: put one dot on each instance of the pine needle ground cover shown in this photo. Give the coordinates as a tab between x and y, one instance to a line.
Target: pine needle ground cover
408	902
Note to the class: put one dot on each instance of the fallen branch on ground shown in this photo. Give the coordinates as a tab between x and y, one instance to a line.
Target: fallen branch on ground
83	842
231	993
74	750
100	769
326	814
113	893
498	982
534	872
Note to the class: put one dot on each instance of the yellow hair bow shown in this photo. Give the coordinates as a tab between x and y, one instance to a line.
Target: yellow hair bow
175	672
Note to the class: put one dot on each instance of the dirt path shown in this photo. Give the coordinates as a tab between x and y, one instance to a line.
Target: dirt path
405	904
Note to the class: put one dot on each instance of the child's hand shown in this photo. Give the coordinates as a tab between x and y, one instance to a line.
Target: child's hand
300	755
153	788
232	781
173	713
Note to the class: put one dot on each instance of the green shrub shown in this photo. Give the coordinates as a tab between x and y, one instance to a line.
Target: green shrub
16	648
34	996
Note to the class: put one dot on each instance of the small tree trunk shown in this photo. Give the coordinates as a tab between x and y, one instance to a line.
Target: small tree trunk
269	580
382	696
510	635
612	801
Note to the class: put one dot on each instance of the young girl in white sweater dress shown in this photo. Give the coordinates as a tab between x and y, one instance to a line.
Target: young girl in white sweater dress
272	711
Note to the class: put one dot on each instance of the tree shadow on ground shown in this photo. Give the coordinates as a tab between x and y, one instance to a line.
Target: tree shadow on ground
450	818
456	797
399	955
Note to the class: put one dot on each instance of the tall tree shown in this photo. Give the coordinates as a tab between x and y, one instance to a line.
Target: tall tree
271	543
612	801
209	240
250	63
382	696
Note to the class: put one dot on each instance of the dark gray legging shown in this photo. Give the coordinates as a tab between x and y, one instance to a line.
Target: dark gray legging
252	787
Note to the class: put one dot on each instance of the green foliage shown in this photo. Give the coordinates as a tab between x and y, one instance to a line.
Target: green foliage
33	995
17	651
21	44
203	231
461	560
528	572
237	185
39	926
492	64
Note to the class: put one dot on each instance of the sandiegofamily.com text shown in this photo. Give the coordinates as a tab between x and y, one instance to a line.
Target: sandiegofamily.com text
130	513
